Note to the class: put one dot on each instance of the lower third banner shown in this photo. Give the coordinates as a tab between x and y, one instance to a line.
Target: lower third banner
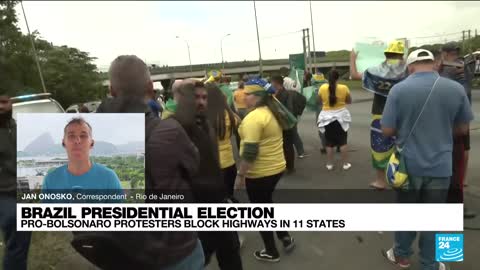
239	217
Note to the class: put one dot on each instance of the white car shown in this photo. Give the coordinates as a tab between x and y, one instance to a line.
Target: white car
36	103
91	106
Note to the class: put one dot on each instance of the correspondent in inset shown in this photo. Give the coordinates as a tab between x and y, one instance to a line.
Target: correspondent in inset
81	174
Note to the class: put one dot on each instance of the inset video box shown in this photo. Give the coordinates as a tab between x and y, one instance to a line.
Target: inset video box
80	158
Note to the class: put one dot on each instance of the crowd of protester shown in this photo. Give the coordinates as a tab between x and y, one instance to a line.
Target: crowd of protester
423	105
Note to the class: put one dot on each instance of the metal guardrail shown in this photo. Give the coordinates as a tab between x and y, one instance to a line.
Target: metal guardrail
238	64
237	70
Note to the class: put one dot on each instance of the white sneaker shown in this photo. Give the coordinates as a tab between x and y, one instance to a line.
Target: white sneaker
401	263
347	166
442	266
241	240
329	167
304	155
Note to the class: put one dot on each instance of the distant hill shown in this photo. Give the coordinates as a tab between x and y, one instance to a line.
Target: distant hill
131	147
44	145
104	148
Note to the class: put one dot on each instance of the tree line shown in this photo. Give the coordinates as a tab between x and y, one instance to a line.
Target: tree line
69	73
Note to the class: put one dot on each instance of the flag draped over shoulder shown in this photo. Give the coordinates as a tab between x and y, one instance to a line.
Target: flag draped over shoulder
382	78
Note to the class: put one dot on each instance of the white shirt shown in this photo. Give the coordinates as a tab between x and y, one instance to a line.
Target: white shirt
341	115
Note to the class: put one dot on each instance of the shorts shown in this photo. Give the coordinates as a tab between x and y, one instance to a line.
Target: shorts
382	147
335	135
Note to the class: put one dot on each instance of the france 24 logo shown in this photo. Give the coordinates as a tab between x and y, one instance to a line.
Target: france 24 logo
449	247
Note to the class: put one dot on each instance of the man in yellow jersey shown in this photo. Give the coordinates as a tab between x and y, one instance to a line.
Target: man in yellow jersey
379	80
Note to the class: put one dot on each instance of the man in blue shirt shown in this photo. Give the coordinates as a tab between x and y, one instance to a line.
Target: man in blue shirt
153	104
80	175
428	149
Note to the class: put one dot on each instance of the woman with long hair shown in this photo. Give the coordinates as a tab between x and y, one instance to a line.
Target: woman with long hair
207	184
225	123
261	151
334	120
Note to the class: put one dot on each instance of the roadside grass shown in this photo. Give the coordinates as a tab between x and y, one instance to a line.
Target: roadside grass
352	84
47	249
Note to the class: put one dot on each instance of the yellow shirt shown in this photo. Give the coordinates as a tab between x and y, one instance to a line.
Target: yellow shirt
166	114
260	126
225	149
239	99
342	92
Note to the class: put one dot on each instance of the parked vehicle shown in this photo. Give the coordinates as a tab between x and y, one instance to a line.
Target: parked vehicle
91	106
35	103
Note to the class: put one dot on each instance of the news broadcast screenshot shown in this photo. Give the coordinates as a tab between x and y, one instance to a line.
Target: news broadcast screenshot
235	135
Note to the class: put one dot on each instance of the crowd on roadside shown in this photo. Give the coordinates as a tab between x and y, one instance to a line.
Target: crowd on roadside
421	107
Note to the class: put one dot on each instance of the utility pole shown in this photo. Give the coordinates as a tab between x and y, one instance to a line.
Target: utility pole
304	47
188	49
313	36
221	50
258	40
469	43
309	52
34	50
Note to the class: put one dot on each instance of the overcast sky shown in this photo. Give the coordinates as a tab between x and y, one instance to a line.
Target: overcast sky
148	29
106	127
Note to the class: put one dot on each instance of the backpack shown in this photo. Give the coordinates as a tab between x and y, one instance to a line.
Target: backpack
297	102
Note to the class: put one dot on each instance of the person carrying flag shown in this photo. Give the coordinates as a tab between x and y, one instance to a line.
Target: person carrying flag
379	80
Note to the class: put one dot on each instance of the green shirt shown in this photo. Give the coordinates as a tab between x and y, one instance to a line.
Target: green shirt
227	92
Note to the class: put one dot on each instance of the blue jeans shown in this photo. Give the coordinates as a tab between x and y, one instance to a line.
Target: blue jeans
297	141
16	243
421	190
194	261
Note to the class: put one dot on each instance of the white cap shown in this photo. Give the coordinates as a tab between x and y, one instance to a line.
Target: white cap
414	56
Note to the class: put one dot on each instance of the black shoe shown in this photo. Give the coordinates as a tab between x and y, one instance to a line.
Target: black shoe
288	244
262	255
467	214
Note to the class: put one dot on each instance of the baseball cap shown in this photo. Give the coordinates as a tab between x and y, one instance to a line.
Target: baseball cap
419	55
450	47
